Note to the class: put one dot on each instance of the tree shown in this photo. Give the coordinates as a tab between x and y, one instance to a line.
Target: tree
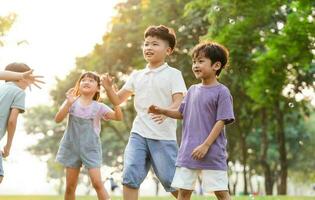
119	54
5	24
259	60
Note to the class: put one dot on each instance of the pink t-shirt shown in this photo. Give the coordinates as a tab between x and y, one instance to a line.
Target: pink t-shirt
95	111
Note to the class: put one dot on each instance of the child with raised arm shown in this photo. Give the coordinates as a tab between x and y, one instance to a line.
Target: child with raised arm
81	141
12	103
205	110
151	144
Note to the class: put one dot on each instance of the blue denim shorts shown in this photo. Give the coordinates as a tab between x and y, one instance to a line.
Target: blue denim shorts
1	167
142	153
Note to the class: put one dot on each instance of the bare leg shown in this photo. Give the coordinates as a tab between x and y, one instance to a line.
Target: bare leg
184	194
1	177
95	175
130	193
222	195
175	194
72	175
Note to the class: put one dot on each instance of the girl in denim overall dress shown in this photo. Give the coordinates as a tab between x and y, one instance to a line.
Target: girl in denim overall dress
81	144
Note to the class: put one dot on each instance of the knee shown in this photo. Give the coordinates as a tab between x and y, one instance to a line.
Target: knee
185	194
222	195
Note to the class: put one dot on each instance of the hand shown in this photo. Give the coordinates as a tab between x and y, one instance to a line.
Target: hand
200	151
115	87
155	109
32	79
6	151
71	96
158	118
107	81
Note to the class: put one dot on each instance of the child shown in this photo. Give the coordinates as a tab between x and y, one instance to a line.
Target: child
12	102
16	76
81	142
151	144
205	110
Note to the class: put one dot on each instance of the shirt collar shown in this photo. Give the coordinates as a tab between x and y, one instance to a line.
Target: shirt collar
155	70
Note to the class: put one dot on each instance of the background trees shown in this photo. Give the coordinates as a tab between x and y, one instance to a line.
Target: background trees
271	72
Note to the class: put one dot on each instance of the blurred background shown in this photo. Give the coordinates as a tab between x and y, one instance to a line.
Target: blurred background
271	76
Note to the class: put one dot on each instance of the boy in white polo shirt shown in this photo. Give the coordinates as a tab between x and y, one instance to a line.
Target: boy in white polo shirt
150	143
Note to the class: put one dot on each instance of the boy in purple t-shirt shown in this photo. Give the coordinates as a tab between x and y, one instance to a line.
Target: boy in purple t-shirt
205	110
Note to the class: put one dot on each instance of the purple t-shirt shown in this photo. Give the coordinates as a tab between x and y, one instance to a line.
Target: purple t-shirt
201	108
95	111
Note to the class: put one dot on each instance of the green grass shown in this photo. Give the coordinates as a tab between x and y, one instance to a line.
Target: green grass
156	198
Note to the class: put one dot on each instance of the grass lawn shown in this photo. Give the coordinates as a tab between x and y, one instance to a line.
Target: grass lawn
157	198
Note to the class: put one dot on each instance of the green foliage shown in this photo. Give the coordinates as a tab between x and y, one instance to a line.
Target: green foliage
5	24
271	47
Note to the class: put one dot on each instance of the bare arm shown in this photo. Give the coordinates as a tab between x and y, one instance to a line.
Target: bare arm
115	97
10	76
16	76
171	111
116	114
119	97
200	151
12	121
177	98
63	111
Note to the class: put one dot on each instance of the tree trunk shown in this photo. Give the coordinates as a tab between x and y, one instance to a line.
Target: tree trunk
282	151
235	183
60	186
244	160
157	188
269	180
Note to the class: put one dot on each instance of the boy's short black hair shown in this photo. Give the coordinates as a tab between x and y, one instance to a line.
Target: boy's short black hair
214	51
162	32
17	67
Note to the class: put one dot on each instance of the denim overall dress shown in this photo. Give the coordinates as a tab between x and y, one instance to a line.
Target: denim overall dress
80	144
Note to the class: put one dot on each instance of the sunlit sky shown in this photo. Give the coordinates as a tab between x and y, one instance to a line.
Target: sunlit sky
54	32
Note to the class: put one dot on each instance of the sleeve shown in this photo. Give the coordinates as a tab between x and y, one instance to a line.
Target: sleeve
104	109
178	83
225	107
129	85
19	102
182	106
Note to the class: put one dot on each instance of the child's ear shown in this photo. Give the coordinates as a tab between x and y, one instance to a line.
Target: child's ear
217	65
169	51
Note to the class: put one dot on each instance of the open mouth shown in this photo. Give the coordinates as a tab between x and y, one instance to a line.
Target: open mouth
149	54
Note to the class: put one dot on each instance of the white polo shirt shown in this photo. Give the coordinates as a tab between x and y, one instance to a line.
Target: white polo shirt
154	87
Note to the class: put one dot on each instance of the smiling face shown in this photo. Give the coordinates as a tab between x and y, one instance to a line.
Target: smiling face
88	85
203	68
155	50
